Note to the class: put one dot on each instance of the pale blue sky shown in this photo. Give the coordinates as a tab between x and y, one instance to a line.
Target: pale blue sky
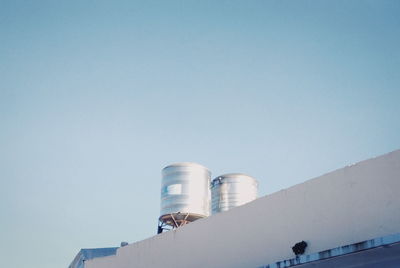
96	97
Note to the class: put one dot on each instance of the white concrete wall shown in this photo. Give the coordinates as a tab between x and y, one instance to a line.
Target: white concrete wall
352	204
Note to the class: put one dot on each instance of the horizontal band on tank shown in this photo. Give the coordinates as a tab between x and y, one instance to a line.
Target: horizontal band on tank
186	164
229	204
183	207
232	200
235	175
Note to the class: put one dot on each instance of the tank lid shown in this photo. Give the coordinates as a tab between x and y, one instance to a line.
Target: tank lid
186	164
235	176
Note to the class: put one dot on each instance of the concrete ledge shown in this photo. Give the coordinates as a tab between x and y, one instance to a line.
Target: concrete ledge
339	251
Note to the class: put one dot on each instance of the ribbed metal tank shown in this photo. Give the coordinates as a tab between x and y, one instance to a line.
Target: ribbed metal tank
185	193
232	190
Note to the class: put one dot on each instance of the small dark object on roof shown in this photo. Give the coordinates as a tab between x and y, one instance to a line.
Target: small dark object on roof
299	248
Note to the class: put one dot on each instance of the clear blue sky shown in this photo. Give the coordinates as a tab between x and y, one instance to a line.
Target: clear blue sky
96	97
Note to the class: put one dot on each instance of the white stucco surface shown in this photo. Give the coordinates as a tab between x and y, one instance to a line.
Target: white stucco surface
349	205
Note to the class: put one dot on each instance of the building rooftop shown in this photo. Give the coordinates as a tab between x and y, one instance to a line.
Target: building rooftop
91	253
352	204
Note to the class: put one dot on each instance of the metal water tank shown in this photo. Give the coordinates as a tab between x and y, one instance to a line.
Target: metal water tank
185	194
232	190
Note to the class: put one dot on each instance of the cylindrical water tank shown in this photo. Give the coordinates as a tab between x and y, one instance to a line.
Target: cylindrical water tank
232	190
185	193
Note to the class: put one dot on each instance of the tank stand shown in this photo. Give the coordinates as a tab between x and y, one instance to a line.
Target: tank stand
163	227
172	222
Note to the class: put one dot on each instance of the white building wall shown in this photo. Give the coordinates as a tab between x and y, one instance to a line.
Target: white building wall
349	205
